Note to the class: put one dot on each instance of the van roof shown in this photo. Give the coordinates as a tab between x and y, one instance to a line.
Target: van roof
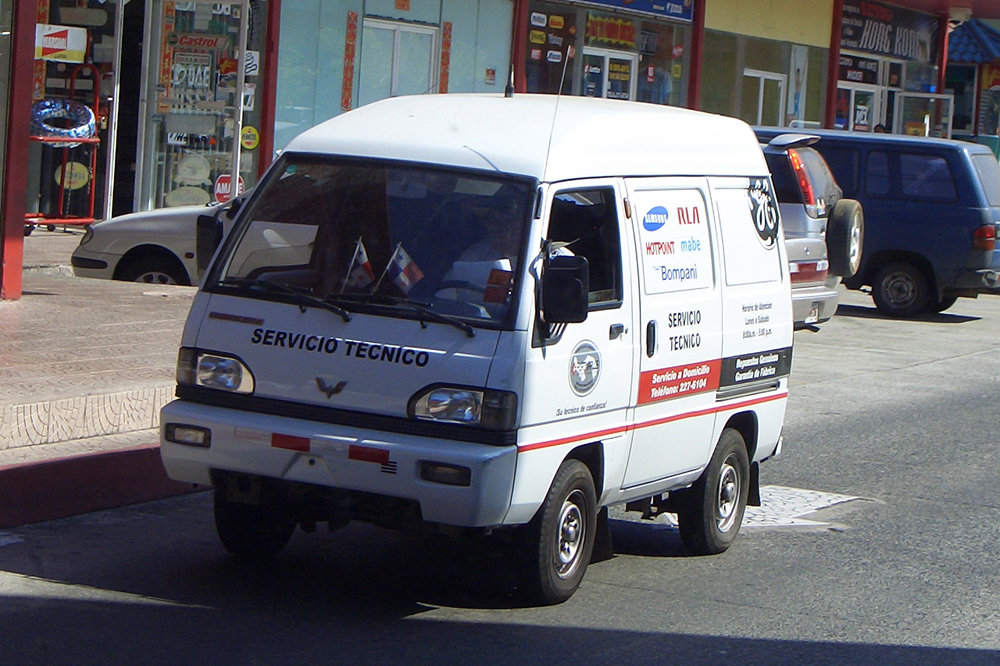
548	137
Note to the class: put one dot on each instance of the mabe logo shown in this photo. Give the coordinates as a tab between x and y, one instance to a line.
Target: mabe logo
655	218
764	211
584	368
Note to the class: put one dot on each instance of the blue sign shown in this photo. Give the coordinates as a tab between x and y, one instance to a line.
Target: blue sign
679	10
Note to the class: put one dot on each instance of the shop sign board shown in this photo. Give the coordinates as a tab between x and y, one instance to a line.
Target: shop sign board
679	10
223	185
886	30
60	43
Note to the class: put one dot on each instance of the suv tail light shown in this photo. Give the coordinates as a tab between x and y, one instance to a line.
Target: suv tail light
985	238
808	271
813	208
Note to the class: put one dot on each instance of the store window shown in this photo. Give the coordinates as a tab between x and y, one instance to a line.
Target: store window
580	51
763	81
201	120
396	59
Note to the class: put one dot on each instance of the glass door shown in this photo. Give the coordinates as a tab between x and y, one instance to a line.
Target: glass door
396	59
198	83
858	107
923	114
610	74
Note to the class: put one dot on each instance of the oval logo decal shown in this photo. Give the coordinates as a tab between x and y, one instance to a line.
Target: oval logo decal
655	218
584	368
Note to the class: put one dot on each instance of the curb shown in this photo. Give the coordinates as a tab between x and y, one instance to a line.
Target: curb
36	492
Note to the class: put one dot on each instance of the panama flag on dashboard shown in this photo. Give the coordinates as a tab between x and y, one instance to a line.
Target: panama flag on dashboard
361	274
403	270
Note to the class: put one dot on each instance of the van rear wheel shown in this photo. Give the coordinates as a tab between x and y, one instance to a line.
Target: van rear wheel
711	510
900	289
560	539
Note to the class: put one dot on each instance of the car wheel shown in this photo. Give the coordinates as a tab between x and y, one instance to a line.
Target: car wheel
154	270
711	511
560	539
845	231
900	290
941	305
251	532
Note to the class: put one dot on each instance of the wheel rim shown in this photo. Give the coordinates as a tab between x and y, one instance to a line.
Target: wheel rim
899	289
571	536
728	496
155	277
854	247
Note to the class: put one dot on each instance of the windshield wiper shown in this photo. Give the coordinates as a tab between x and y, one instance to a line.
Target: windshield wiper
298	292
417	306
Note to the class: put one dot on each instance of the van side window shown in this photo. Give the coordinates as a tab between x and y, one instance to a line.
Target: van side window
586	222
877	178
926	177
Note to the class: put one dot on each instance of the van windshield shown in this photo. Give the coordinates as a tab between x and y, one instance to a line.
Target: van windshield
399	239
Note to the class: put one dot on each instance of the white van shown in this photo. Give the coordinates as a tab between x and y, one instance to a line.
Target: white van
495	313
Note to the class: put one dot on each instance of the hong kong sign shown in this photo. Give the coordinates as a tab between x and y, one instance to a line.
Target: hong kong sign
891	31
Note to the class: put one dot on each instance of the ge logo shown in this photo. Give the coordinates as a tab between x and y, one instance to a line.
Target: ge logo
764	211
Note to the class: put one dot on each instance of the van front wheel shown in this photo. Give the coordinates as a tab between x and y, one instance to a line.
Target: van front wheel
251	532
560	539
711	511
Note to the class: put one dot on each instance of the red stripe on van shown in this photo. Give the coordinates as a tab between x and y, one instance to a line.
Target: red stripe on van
368	454
591	436
678	381
290	442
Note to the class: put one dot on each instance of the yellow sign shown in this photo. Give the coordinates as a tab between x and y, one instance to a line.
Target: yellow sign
60	43
249	137
77	176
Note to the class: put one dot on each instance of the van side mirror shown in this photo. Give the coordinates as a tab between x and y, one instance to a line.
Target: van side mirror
208	235
565	287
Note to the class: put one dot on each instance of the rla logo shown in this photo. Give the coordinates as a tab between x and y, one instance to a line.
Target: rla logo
655	218
764	211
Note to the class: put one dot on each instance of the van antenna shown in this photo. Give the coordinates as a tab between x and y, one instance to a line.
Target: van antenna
555	109
509	90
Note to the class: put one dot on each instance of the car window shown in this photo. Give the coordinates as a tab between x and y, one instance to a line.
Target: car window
989	175
877	176
586	223
845	163
926	177
785	186
823	182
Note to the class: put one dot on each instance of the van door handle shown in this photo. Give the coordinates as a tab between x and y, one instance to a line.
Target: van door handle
650	338
616	331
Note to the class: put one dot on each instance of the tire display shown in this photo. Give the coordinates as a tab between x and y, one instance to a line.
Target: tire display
80	118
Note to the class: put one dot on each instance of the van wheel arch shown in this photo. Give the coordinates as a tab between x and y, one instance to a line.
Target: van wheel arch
591	455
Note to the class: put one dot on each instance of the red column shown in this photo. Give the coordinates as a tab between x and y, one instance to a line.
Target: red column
697	53
833	66
522	14
270	85
15	180
942	59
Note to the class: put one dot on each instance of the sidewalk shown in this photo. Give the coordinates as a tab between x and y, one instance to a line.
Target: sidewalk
85	366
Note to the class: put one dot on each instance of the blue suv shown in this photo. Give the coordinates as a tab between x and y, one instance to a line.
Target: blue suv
932	212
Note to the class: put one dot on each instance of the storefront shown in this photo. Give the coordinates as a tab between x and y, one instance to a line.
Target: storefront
599	49
888	71
767	66
335	55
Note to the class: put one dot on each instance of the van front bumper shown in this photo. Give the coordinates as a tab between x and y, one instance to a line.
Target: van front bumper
352	459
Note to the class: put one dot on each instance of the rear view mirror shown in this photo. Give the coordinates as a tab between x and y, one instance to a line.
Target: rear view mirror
565	286
207	239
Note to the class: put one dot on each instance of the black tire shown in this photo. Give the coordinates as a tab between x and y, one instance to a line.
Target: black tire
901	289
154	270
941	305
251	532
845	232
560	539
28	228
711	510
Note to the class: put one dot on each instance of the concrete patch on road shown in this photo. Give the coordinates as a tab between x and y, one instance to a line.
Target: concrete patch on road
784	507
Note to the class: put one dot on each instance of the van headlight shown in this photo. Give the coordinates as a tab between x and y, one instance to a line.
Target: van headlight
496	410
215	371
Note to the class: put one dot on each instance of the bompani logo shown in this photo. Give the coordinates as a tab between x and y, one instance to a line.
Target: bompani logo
764	211
655	218
584	368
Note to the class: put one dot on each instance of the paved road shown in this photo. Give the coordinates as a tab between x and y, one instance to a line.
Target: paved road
901	416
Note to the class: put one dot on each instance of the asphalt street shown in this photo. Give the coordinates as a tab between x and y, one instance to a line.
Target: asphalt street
892	426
